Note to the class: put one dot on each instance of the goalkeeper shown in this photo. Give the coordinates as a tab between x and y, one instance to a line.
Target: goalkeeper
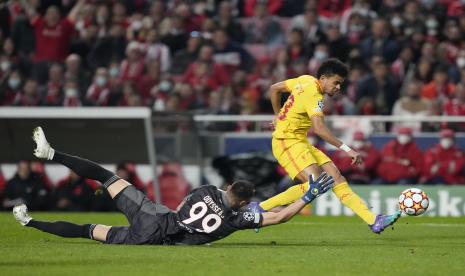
207	214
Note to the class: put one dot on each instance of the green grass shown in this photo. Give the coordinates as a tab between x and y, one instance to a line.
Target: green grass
303	246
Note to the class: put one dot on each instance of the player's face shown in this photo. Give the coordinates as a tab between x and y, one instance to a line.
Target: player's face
331	85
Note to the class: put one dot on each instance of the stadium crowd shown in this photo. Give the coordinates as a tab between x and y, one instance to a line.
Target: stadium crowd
220	57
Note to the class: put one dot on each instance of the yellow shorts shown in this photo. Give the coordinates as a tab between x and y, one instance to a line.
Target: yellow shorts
295	155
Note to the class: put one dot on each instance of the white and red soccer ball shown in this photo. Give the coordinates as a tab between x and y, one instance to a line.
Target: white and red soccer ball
413	201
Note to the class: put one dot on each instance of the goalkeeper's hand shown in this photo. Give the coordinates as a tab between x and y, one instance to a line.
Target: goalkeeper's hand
323	183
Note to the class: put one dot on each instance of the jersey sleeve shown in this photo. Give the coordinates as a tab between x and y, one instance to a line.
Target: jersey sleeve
247	220
315	104
290	83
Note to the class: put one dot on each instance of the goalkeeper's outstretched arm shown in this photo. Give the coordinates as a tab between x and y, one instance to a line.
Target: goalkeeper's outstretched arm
317	188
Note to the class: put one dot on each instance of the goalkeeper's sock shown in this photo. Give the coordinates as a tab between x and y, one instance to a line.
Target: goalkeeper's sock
64	229
285	198
354	202
86	168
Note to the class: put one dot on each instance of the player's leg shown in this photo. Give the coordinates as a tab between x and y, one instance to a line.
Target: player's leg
296	159
350	199
61	228
83	167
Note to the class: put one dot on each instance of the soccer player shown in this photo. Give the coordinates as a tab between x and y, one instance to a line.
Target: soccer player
302	111
207	214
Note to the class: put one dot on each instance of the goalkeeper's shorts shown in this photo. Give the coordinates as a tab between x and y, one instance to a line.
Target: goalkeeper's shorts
145	217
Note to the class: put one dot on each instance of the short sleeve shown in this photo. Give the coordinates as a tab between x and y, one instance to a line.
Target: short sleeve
247	220
315	105
291	83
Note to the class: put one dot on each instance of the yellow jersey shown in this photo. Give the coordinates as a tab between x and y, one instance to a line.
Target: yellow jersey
305	101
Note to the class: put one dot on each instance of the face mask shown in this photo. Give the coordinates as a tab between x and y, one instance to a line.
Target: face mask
446	143
13	83
71	92
114	71
5	65
165	86
431	24
358	144
101	19
320	55
403	139
101	81
461	62
396	22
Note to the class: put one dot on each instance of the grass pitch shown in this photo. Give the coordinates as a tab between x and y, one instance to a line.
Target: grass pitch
305	245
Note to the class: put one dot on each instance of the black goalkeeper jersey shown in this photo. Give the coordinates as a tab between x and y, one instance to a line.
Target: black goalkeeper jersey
206	217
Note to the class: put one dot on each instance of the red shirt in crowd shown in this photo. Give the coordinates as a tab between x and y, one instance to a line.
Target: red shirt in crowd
400	161
449	164
52	43
363	172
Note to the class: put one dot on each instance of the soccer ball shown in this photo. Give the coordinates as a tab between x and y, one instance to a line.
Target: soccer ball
413	202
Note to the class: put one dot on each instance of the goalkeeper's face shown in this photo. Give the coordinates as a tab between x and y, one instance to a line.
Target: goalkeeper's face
331	85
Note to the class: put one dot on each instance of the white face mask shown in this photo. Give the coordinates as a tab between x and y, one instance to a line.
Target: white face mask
320	55
71	92
114	71
446	143
101	81
358	144
403	139
13	83
461	62
5	65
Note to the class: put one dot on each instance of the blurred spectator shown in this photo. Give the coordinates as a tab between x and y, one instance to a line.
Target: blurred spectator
127	171
440	87
108	48
28	188
52	33
156	50
411	105
225	20
455	106
444	163
99	91
38	168
173	185
263	28
320	54
379	42
183	58
331	11
402	64
271	7
75	193
401	160
377	92
74	71
133	66
30	95
296	47
364	173
308	23
10	89
72	97
231	54
337	44
54	87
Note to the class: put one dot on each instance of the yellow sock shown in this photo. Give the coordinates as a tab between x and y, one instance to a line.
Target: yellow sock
354	202
287	197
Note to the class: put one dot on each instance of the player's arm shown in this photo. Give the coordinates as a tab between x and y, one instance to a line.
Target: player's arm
29	9
275	95
317	188
322	131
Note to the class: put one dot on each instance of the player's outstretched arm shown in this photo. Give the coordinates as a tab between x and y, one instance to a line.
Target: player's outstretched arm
317	188
322	131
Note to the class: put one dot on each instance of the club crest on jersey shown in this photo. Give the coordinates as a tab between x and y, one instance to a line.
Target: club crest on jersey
320	107
249	216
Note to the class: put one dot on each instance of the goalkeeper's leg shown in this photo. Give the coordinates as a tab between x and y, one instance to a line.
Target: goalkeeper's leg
61	228
83	167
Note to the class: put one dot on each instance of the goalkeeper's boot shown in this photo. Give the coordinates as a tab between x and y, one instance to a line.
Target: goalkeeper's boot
43	149
384	221
254	207
21	215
